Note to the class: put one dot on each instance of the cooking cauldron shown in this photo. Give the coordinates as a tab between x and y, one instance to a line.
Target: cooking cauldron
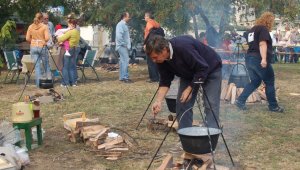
195	140
112	59
46	83
171	102
239	76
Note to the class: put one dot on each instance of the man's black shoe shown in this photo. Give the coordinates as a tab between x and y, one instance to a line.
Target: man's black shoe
240	105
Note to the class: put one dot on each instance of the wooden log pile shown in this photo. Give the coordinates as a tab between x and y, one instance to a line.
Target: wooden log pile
230	93
99	137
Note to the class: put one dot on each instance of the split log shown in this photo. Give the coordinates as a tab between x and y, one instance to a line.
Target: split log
167	163
110	154
224	89
228	94
112	158
127	141
262	94
175	125
257	96
91	131
73	136
121	145
233	94
90	122
101	135
119	149
118	140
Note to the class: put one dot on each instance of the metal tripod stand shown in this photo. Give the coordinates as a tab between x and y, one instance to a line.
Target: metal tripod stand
197	85
31	71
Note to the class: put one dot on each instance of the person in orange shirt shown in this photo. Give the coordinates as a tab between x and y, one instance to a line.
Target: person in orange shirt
38	35
152	68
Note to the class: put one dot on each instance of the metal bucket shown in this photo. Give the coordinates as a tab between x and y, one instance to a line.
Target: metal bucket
171	103
195	140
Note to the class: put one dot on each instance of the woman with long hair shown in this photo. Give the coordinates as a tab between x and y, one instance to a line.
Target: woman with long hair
38	36
258	62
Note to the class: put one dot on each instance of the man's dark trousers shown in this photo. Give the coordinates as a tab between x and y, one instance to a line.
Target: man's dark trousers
152	69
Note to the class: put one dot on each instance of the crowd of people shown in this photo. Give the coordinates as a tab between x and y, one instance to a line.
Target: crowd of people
197	65
42	36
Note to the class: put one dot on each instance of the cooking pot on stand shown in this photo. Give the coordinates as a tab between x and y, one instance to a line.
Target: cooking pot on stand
46	83
171	102
239	76
195	140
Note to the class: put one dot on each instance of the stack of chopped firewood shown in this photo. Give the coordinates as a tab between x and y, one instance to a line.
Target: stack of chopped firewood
101	138
230	93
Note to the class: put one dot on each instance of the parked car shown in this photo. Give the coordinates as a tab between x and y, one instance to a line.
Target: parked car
137	51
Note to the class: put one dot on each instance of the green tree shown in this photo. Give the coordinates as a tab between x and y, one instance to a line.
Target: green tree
6	38
288	9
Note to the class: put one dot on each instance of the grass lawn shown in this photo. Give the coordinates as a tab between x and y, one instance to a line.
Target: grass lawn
257	138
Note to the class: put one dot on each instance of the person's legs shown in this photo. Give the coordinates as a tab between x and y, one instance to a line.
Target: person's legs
287	55
72	69
34	51
212	90
65	71
253	67
46	72
269	80
184	111
152	70
124	61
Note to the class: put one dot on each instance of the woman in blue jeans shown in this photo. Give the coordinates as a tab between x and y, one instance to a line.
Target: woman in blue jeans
258	62
69	61
38	35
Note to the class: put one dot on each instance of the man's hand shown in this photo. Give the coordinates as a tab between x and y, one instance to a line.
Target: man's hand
186	95
263	63
156	108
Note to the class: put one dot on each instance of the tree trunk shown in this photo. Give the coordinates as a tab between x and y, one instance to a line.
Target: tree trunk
195	26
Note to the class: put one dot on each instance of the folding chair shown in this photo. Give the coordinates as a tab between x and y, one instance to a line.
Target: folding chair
27	67
88	61
12	65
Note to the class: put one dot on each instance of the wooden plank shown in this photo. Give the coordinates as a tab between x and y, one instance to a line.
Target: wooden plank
262	94
121	145
206	164
91	134
224	89
113	142
257	96
127	141
112	158
233	94
119	149
224	92
167	163
110	154
228	94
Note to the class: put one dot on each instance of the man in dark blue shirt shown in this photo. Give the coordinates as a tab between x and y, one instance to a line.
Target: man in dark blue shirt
194	63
